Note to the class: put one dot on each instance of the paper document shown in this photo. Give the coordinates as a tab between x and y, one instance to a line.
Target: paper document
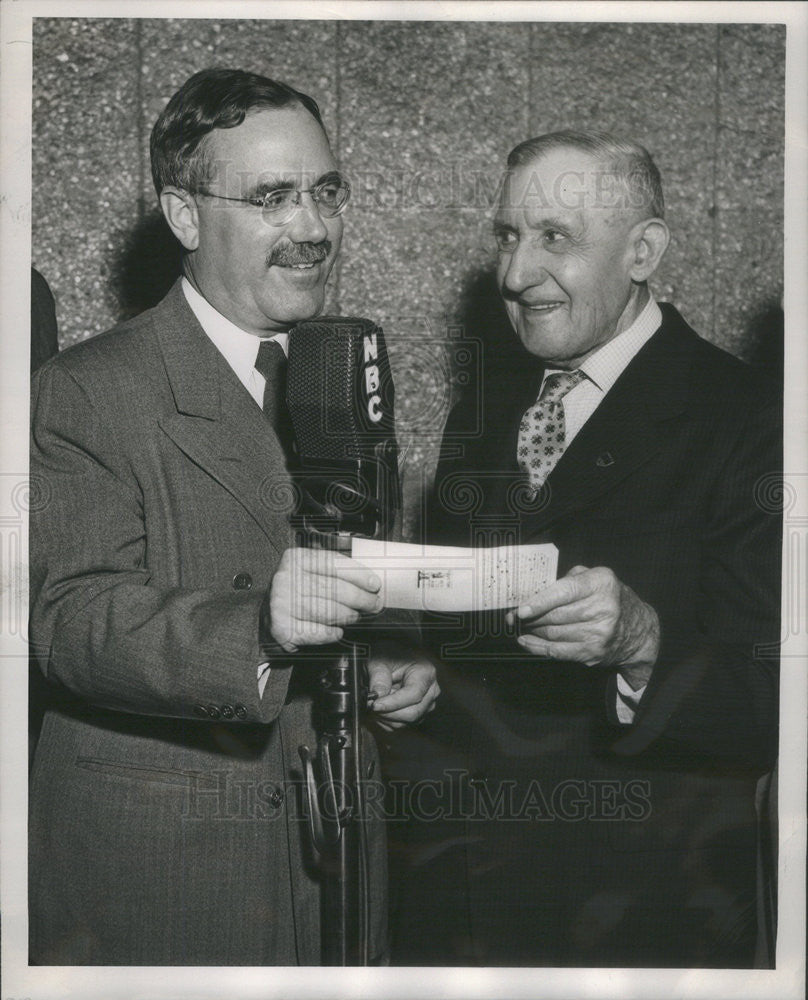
453	578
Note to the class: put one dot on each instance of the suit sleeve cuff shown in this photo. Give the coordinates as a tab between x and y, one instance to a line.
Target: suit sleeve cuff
622	701
263	677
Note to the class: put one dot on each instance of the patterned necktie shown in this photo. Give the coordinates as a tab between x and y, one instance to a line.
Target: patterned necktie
271	363
541	432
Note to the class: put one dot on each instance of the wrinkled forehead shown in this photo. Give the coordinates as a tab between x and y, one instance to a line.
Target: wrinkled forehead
562	181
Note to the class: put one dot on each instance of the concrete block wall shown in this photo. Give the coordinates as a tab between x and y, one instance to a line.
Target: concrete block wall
421	116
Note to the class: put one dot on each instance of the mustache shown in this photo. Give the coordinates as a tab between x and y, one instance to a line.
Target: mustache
289	254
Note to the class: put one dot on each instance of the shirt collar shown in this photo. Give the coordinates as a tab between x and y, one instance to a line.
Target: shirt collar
607	364
240	349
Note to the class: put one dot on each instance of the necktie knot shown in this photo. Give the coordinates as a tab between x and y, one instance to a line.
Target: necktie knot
557	385
271	360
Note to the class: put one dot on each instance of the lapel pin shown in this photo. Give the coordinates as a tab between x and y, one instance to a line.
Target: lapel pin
604	460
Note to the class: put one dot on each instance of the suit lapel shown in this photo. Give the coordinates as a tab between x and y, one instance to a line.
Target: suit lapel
218	425
625	431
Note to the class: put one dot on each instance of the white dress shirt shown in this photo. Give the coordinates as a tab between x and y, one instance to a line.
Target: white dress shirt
602	370
239	348
604	367
240	351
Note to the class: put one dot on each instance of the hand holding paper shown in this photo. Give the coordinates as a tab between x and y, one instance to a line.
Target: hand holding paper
444	578
589	616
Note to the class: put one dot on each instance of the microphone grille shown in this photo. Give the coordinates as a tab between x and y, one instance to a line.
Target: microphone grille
339	387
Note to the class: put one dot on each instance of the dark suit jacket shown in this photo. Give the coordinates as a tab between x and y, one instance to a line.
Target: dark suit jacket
44	345
627	845
166	825
44	335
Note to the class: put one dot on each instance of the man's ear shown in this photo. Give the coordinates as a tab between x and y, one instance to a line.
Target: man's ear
649	239
181	213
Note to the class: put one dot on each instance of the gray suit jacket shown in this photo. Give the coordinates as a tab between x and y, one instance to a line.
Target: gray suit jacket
166	823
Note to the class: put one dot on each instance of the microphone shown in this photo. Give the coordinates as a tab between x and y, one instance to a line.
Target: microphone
340	396
339	392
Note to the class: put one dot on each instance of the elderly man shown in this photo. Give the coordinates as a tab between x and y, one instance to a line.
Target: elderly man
170	610
598	747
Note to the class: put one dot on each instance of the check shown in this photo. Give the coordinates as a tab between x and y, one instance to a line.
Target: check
454	578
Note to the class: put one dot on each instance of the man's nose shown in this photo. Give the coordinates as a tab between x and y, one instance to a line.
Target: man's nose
307	224
522	269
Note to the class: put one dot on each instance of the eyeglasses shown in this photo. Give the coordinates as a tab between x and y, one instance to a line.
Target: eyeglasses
330	195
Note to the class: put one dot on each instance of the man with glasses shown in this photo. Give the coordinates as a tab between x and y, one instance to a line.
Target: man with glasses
170	610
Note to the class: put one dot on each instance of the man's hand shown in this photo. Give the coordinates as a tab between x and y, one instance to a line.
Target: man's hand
589	616
402	686
314	592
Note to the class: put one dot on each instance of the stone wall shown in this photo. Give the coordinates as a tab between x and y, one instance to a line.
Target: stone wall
421	115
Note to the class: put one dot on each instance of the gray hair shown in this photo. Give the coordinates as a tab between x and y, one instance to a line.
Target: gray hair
630	162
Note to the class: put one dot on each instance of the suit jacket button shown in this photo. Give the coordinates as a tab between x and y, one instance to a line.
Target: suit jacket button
201	710
241	712
213	712
242	581
227	711
276	798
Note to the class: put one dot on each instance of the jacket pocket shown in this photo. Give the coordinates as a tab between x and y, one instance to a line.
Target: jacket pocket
143	772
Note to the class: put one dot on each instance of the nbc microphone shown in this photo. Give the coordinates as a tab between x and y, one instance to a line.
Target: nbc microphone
341	401
340	398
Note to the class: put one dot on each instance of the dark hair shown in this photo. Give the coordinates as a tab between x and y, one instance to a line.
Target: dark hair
630	162
211	99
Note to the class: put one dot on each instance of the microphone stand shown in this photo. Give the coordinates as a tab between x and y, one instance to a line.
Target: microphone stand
334	774
336	808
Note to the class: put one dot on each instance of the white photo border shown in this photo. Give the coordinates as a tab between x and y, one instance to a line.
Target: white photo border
22	982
